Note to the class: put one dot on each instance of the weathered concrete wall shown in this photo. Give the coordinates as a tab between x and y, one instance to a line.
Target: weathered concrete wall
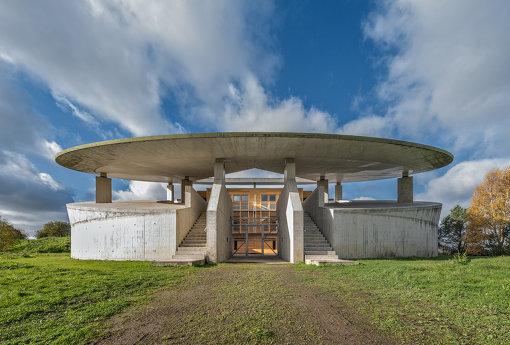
290	223
131	230
219	234
378	229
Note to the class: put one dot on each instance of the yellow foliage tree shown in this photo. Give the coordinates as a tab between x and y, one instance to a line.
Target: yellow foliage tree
489	215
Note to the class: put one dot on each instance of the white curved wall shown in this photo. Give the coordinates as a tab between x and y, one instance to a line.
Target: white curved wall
129	230
378	229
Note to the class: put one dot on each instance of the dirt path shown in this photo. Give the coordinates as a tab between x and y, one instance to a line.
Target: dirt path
244	304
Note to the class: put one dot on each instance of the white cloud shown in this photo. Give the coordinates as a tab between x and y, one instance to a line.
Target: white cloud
118	59
377	126
28	197
141	190
456	186
450	74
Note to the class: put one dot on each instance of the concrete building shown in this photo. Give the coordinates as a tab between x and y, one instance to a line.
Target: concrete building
253	216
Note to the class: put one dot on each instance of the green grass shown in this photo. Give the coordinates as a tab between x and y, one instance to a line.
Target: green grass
42	245
50	298
441	301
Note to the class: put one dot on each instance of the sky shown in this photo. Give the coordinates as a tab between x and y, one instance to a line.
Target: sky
74	72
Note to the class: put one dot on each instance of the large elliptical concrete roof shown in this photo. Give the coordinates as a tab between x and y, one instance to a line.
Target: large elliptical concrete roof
172	157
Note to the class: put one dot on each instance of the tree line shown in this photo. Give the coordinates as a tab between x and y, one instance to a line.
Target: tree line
9	234
483	228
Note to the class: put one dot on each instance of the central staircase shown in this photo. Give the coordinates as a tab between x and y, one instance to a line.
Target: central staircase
193	248
317	248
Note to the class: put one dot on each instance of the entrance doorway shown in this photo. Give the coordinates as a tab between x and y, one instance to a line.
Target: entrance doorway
255	223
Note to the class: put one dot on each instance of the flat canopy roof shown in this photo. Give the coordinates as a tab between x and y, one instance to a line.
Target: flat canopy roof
172	157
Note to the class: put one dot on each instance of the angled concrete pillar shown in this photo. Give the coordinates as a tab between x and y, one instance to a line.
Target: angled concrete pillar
405	189
185	183
103	189
219	212
338	191
170	192
324	193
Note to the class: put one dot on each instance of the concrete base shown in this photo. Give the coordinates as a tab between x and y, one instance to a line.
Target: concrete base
137	230
378	229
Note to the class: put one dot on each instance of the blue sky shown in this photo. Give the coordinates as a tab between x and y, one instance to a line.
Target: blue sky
77	72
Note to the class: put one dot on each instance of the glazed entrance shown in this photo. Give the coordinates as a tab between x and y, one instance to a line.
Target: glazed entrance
255	222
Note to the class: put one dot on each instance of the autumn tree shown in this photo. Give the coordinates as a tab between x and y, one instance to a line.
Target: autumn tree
489	215
453	230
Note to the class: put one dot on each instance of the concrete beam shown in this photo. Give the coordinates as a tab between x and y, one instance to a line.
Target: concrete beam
103	189
170	192
338	191
405	189
324	191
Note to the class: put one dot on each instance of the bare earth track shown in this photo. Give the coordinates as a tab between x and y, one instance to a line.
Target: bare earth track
244	304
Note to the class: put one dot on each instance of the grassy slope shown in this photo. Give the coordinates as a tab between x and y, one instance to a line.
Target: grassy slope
50	298
426	301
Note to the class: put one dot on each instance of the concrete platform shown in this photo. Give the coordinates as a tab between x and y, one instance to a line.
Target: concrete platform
268	260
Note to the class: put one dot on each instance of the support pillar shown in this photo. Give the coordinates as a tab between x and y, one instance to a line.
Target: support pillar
103	189
405	189
184	183
290	170
170	192
219	170
338	191
324	192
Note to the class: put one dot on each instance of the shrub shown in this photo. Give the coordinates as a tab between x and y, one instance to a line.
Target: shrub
54	229
8	234
42	245
453	230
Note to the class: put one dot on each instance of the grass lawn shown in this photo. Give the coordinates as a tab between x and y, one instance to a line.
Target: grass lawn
440	301
50	298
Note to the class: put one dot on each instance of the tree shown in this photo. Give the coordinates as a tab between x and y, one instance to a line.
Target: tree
453	229
8	234
54	229
489	215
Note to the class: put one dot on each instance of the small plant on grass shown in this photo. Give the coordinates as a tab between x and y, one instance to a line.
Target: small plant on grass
54	229
461	258
263	334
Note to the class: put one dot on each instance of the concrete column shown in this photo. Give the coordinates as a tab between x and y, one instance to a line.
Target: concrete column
170	192
405	189
324	186
103	189
184	183
290	170
219	170
338	191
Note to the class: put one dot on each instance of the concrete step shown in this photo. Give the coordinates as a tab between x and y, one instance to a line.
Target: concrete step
320	252
192	250
333	261
307	248
184	260
316	240
320	257
186	244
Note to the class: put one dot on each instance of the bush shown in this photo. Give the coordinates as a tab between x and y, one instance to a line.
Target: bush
42	245
8	234
54	229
